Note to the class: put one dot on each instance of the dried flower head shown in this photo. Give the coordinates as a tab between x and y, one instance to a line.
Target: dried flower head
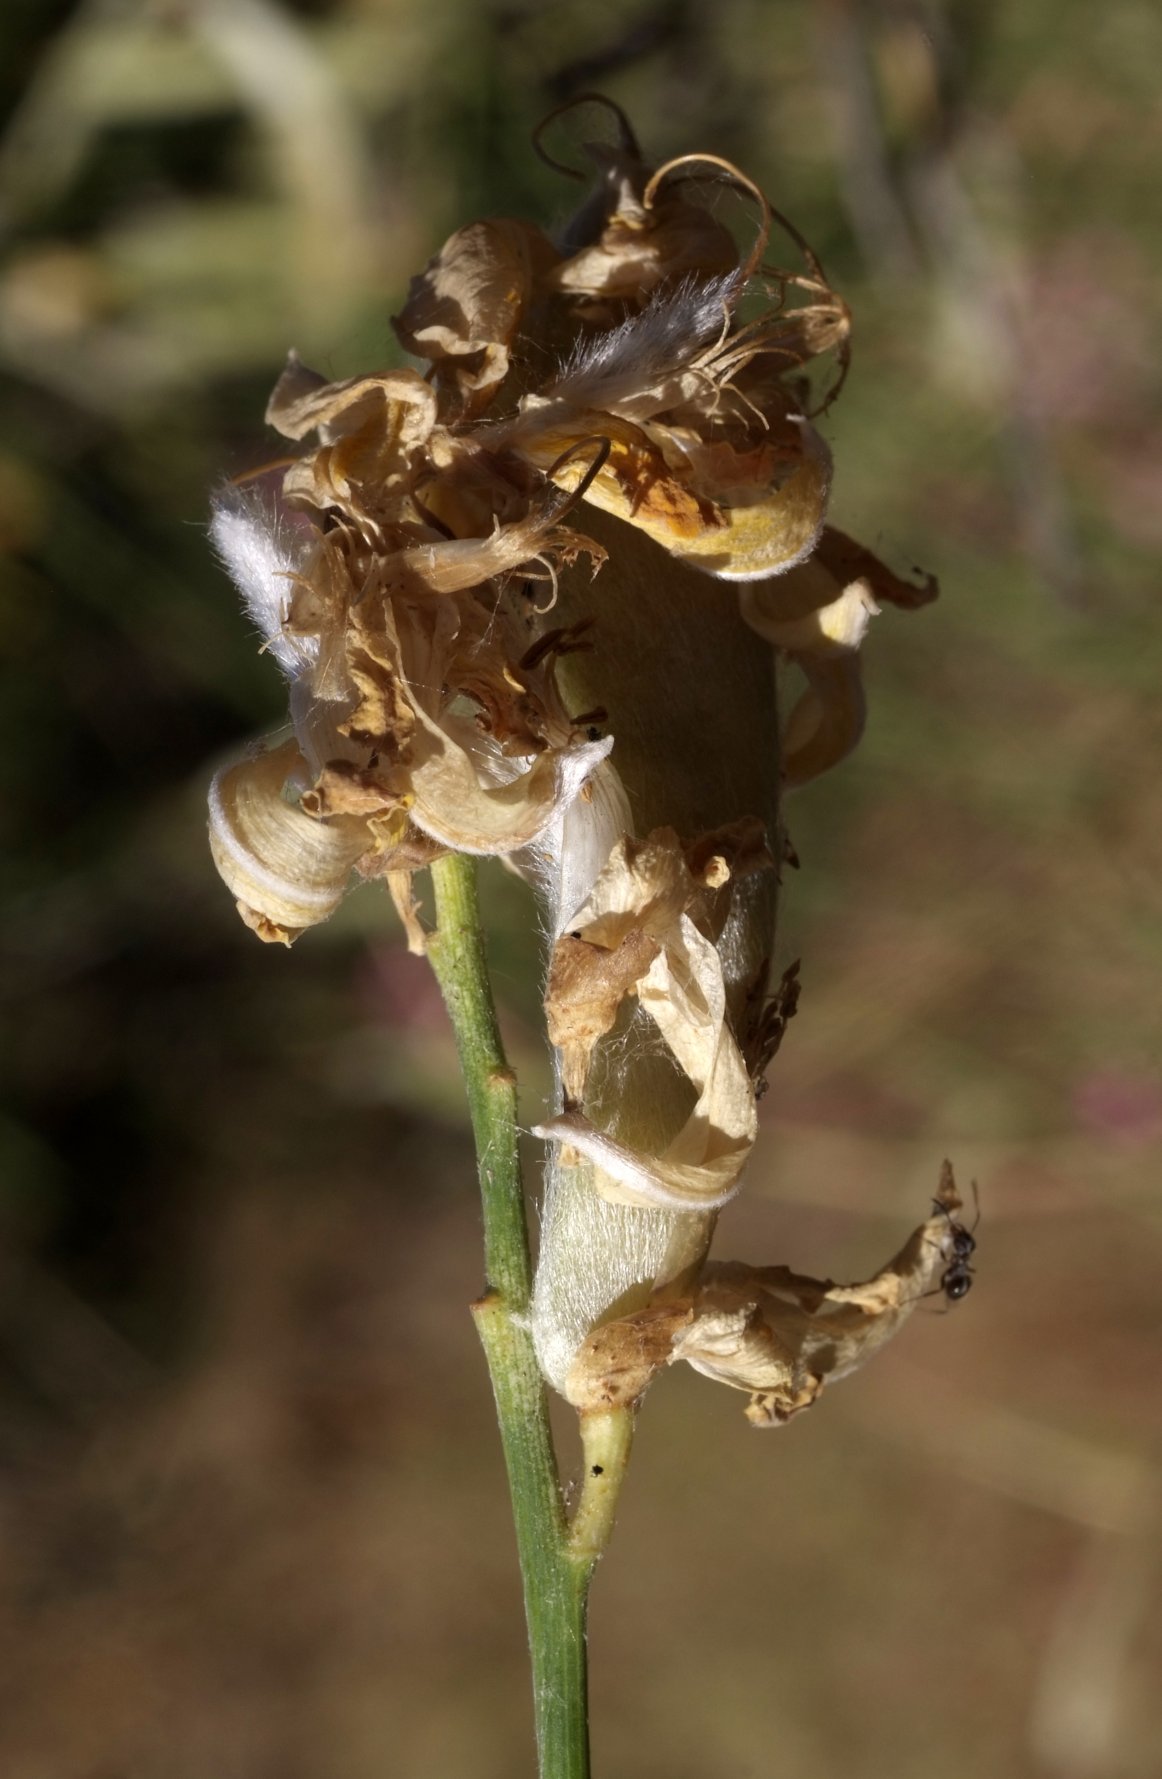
518	599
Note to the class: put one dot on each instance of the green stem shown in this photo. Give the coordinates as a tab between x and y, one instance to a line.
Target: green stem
556	1561
606	1438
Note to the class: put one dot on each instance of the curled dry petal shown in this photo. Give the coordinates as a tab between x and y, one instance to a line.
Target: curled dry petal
819	614
464	309
632	1177
828	720
640	245
452	805
778	1335
635	936
371	430
629	913
821	626
288	870
463	563
835	628
570	856
783	1337
303	402
587	985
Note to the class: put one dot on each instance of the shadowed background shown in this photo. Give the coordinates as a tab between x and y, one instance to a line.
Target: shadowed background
254	1521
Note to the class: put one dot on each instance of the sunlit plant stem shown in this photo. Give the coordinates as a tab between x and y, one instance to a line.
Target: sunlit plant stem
557	1559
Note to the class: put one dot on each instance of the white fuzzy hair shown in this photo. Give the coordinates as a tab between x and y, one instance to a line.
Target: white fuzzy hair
261	551
674	326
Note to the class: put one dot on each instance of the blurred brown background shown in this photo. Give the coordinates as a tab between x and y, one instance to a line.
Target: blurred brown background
254	1523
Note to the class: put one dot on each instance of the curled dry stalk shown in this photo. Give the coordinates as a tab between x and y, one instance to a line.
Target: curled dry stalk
557	1556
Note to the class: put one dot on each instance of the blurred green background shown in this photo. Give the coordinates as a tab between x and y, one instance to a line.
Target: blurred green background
254	1524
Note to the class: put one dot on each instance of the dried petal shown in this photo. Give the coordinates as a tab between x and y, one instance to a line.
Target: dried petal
821	626
783	1337
639	247
628	1176
776	1334
634	936
462	563
399	884
737	514
828	720
452	805
371	429
570	856
837	627
303	402
464	309
587	984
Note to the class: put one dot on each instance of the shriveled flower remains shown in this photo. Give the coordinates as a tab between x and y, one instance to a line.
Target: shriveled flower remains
631	403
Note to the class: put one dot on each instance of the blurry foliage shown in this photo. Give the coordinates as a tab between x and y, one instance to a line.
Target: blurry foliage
244	1437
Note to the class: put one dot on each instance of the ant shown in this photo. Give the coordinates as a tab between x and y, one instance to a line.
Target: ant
956	1279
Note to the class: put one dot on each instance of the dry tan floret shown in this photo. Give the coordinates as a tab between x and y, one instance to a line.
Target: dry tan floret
776	1334
464	310
646	930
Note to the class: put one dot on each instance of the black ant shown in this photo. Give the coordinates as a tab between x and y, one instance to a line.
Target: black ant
956	1279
